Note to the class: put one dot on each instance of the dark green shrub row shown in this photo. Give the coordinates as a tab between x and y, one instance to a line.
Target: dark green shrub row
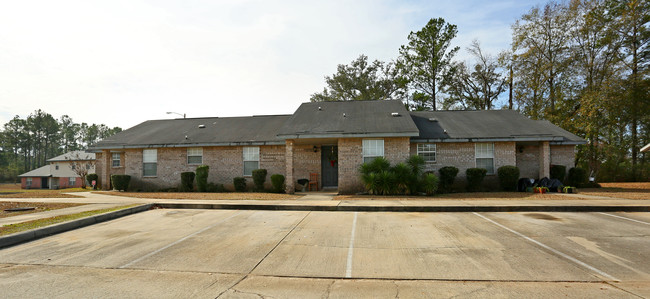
259	177
404	178
92	177
577	177
277	180
202	177
187	181
120	181
240	184
447	176
508	177
558	172
475	178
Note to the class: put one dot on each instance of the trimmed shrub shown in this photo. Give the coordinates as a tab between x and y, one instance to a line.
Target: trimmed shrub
92	177
429	183
508	177
475	178
202	177
577	177
187	181
447	176
259	177
240	184
558	172
277	180
120	181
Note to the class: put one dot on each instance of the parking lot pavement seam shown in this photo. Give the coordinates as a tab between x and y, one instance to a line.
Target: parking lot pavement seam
621	217
177	241
266	255
623	290
430	279
572	259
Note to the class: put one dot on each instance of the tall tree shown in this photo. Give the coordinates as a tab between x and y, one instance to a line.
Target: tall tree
362	80
427	58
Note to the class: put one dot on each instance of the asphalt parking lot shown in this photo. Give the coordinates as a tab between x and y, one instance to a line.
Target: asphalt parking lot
231	253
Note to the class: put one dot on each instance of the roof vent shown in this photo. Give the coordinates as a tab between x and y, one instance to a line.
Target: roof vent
433	119
201	126
394	114
319	108
343	114
444	131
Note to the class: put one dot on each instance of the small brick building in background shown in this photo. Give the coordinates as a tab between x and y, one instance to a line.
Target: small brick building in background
331	139
58	172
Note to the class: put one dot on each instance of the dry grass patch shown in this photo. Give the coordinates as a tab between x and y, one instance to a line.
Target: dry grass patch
40	207
463	196
14	191
639	190
208	196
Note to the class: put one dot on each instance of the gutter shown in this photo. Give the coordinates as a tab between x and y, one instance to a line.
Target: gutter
98	149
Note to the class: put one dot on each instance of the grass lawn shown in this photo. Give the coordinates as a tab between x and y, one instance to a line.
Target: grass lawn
27	225
200	195
620	190
14	191
40	207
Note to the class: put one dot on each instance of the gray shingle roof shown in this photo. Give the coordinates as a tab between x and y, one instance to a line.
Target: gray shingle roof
349	119
43	171
491	125
185	132
73	156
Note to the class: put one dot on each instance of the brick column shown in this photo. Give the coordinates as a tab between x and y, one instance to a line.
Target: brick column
104	175
290	181
544	160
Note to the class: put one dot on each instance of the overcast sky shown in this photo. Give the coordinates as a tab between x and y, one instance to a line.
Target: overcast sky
123	62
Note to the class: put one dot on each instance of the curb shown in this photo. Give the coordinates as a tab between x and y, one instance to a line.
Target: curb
351	208
38	233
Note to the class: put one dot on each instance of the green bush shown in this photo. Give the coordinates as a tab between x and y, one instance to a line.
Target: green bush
92	177
405	180
577	177
212	187
240	184
277	181
416	163
259	177
385	183
187	181
120	181
447	176
558	172
377	165
508	177
429	183
475	178
202	177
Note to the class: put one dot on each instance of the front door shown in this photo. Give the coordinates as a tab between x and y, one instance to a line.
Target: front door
44	184
330	165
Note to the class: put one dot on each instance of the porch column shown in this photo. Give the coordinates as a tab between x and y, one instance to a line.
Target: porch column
105	176
290	182
544	160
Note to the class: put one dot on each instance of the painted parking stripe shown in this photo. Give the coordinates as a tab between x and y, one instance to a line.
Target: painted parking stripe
348	268
621	217
176	242
583	264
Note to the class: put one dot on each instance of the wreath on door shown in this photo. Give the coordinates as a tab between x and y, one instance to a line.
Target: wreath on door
333	156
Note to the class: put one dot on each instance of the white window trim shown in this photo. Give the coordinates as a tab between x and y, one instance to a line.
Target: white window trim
150	161
194	152
482	155
435	151
250	154
29	182
119	160
371	148
72	181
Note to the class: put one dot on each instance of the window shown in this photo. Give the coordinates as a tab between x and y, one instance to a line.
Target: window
56	167
149	162
251	159
72	181
372	148
195	155
427	151
73	166
485	156
28	182
117	162
87	166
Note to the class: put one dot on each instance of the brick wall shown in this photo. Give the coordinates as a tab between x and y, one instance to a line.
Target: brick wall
462	155
563	155
528	161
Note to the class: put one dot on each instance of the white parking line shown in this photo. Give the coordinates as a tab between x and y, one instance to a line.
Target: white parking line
348	268
550	249
630	219
176	242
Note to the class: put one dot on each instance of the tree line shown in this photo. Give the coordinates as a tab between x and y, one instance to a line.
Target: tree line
26	143
580	64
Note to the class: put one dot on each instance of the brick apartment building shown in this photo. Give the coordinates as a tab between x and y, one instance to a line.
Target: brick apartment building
58	173
331	139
